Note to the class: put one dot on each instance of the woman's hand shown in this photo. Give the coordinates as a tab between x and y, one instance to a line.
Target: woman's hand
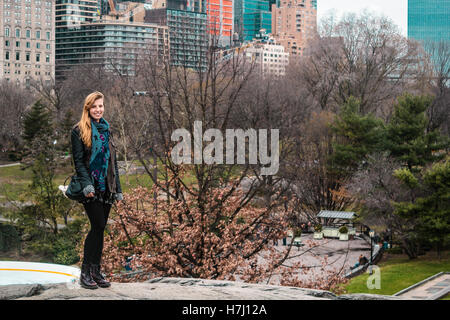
89	191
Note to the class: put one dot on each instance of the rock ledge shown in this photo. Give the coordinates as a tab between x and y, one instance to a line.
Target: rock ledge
176	289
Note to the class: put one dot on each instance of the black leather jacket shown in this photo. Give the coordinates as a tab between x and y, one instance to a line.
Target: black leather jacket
81	155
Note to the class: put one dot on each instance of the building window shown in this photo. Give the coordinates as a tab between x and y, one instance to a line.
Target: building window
48	35
38	34
7	55
17	55
6	32
28	33
17	33
47	58
38	57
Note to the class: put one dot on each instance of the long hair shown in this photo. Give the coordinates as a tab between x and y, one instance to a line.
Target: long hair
85	123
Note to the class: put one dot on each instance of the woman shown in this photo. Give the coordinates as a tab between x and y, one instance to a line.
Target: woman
94	156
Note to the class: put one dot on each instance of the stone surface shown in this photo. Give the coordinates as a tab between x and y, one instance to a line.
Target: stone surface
15	291
366	296
175	289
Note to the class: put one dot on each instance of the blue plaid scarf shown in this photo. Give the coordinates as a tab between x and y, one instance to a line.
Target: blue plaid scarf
98	164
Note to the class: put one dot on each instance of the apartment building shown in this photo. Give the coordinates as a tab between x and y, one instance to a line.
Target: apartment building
269	56
27	41
294	23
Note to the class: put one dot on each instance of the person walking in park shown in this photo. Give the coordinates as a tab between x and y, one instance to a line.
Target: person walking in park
95	161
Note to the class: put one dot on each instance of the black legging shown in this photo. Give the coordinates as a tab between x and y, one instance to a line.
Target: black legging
98	213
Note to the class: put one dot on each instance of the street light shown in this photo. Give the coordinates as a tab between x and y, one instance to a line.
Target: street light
371	234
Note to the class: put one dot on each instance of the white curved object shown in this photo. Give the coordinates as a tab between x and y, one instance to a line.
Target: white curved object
18	272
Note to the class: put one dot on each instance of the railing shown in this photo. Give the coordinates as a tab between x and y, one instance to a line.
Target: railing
377	254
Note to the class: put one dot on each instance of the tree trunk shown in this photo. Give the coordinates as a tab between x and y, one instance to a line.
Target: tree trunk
409	248
439	250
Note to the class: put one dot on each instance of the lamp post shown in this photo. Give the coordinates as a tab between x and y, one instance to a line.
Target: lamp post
371	234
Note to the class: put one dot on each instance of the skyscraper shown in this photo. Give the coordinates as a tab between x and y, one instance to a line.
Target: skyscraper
250	16
112	44
429	20
220	21
70	15
88	33
187	23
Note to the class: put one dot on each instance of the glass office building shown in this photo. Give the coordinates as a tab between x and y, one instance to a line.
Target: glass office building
187	26
84	37
429	20
250	17
70	15
113	45
188	40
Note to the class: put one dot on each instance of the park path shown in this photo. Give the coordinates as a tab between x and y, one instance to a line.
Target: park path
431	288
9	165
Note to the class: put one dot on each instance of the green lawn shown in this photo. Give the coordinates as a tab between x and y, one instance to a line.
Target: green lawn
398	272
14	181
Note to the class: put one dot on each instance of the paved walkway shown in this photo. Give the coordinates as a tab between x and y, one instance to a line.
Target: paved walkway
340	255
432	289
10	165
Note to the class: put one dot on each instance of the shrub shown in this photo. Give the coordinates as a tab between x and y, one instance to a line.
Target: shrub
395	250
65	247
64	252
343	229
14	156
9	238
318	228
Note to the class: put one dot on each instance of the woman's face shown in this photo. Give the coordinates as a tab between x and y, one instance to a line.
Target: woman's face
97	109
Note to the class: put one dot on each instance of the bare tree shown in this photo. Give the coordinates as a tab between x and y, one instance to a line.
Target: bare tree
363	56
14	102
438	56
226	94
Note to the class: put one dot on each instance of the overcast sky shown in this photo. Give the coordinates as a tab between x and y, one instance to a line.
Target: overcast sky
397	10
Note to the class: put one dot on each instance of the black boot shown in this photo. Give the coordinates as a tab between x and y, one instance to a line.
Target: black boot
98	277
86	280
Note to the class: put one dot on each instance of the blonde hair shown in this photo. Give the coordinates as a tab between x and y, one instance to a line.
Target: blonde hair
85	123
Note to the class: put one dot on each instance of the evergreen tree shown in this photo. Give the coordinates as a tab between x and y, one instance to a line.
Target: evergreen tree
38	132
431	210
37	122
357	136
407	136
63	134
